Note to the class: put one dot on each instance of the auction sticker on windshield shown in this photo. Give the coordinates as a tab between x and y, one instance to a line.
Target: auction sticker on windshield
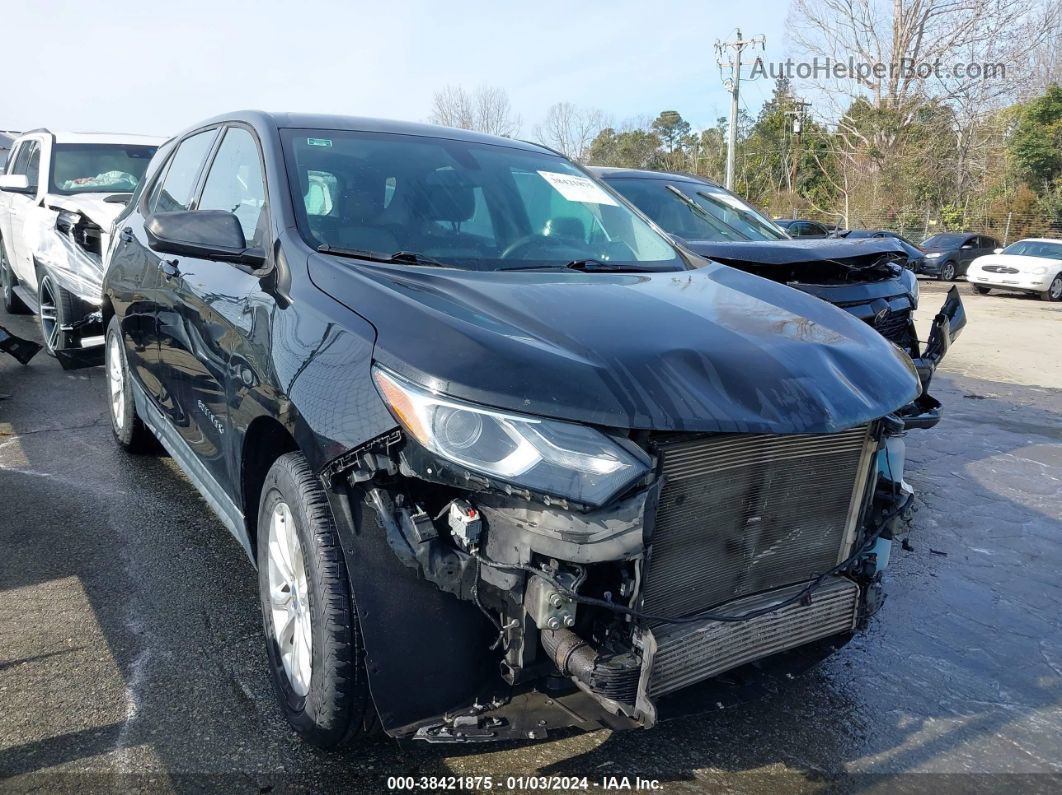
577	189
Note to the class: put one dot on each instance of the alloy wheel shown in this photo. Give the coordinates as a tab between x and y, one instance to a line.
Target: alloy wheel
947	272
6	282
1055	289
289	599
116	379
51	323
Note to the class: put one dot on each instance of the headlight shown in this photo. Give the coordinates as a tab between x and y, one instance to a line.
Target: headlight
65	221
1038	270
558	458
933	255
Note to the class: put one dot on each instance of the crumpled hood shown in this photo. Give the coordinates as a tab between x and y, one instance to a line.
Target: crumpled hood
789	252
91	205
712	349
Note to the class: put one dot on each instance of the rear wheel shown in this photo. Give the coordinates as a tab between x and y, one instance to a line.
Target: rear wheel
947	272
12	303
1054	290
982	290
311	628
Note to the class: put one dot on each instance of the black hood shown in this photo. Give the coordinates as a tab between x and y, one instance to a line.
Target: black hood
790	252
711	349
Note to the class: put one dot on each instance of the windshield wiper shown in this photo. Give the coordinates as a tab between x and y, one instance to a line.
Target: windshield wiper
588	265
719	225
400	257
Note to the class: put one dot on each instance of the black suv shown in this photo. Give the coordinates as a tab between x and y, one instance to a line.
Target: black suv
506	458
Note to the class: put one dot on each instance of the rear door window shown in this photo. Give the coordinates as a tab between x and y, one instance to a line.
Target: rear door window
175	190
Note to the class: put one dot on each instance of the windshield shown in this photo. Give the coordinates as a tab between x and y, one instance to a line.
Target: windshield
696	210
1035	248
943	241
98	168
473	205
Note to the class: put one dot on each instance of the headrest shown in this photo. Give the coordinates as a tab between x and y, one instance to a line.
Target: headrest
446	196
565	227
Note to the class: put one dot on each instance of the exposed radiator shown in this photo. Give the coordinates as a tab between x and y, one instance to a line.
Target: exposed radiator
689	653
747	513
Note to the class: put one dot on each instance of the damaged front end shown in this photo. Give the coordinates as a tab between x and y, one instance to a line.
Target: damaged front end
508	605
69	247
868	278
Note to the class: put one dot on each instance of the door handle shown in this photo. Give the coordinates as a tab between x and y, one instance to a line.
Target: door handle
126	235
169	268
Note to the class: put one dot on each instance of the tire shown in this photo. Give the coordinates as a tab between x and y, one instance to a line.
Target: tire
56	308
13	305
1054	290
947	272
303	586
981	289
129	431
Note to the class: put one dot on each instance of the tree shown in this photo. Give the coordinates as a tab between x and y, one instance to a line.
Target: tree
570	129
625	149
484	109
1036	144
672	130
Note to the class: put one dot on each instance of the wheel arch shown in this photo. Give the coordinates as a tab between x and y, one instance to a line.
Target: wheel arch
264	441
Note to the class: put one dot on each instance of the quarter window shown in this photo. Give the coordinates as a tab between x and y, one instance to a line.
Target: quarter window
235	183
28	161
175	191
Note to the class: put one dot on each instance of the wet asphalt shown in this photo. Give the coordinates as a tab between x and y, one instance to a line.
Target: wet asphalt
131	655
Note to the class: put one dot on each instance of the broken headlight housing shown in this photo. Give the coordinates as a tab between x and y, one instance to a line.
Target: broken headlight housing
547	456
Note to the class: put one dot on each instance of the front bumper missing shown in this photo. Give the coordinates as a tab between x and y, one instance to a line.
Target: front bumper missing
925	410
685	654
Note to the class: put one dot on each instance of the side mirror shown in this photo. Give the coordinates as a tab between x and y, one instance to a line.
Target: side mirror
208	234
968	245
998	251
16	183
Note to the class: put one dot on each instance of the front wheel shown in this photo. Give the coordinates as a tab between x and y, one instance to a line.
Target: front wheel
57	310
981	289
1054	290
311	627
129	431
947	272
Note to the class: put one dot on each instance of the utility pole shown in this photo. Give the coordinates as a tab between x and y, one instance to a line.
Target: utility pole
733	85
799	115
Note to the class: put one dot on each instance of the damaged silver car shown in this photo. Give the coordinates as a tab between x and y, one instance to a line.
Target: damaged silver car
59	194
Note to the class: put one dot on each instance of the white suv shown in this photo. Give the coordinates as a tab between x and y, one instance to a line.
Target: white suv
59	194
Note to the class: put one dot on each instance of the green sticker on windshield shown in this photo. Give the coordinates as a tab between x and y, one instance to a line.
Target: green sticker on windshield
319	141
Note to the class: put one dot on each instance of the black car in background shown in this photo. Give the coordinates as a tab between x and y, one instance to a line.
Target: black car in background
949	254
468	411
799	228
915	254
872	278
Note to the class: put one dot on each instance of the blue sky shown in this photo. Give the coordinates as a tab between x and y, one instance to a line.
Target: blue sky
156	68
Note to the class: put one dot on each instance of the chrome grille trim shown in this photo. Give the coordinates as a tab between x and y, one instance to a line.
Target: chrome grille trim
747	513
690	653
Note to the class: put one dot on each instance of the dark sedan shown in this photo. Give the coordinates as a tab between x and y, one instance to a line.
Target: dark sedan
948	255
804	229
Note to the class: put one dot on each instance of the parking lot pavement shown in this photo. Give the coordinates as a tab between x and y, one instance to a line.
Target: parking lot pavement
131	656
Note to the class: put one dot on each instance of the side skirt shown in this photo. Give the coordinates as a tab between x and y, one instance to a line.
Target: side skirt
220	502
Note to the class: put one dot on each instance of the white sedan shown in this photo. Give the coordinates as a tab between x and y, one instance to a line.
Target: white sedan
1033	265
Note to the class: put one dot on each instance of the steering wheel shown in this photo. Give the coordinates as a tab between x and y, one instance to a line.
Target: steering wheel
529	245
